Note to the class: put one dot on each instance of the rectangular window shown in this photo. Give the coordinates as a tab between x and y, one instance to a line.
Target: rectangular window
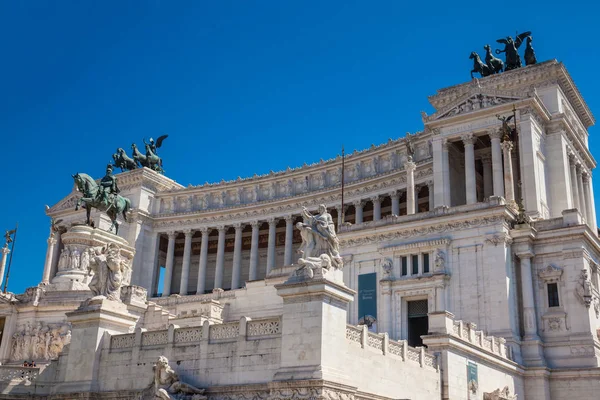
404	266
425	263
553	295
415	265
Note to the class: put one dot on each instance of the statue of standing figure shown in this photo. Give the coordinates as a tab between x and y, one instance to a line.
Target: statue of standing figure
320	244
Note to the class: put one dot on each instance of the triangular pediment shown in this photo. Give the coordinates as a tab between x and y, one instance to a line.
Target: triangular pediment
68	203
475	100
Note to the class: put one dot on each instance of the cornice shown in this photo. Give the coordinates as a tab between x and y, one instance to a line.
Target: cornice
397	146
378	185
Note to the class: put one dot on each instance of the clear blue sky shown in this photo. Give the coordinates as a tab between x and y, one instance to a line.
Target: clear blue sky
241	87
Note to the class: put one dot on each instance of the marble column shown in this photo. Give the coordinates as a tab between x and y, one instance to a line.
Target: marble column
47	265
395	196
586	197
582	208
169	264
220	258
470	183
529	318
358	206
431	198
497	170
376	208
201	286
289	236
237	257
509	188
573	176
488	189
446	173
271	244
339	218
185	266
410	186
5	252
253	275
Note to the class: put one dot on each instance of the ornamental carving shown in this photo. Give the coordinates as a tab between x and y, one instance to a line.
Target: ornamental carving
40	342
583	289
266	327
500	394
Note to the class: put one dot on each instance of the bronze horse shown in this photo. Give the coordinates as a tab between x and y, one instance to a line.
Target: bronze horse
123	161
90	189
479	66
494	64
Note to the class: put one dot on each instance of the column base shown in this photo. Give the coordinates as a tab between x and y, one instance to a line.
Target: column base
532	352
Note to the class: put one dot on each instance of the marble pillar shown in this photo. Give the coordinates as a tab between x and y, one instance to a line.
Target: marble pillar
271	244
358	207
376	208
582	208
509	188
253	274
185	266
395	196
340	219
470	182
586	197
592	208
431	198
169	264
497	170
529	318
573	176
47	265
5	252
410	187
289	237
237	257
201	286
440	298
446	173
220	265
488	189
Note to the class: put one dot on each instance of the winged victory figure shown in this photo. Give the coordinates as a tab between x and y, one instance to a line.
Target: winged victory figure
513	60
158	143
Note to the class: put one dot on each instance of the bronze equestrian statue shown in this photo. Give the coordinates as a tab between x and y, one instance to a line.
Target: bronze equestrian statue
479	66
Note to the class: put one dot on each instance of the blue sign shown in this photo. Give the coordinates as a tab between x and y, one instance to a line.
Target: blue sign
367	300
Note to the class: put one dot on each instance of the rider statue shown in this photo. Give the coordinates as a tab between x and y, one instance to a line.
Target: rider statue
108	188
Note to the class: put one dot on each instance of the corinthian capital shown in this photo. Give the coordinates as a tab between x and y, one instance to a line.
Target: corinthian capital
468	139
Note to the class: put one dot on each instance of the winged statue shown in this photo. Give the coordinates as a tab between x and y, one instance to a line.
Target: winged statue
157	144
513	60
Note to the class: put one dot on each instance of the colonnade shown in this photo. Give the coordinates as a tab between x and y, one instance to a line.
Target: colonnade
289	256
581	191
498	177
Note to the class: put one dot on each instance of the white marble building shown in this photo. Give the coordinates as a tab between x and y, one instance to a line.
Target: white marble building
497	303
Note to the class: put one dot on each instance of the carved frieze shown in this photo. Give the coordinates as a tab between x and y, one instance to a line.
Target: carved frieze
42	341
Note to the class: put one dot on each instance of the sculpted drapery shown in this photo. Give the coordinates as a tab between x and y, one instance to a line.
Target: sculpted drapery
319	240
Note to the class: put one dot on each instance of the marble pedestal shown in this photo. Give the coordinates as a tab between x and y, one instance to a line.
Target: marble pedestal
90	326
313	327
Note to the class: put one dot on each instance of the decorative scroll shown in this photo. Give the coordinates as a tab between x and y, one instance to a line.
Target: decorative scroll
264	327
154	338
188	335
224	331
18	374
122	341
353	333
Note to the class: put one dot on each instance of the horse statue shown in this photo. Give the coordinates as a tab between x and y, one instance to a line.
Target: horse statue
154	161
139	157
494	64
92	198
513	60
479	66
123	161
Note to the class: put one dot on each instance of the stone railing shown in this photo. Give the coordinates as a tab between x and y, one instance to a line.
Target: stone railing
246	328
381	343
18	374
467	332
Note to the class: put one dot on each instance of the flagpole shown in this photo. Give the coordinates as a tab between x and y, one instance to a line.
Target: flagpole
12	251
343	168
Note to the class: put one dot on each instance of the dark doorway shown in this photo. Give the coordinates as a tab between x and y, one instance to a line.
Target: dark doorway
418	322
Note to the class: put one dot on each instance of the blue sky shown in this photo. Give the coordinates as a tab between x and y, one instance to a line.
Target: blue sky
241	87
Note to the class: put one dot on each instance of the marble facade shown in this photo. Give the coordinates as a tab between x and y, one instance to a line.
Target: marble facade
503	308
